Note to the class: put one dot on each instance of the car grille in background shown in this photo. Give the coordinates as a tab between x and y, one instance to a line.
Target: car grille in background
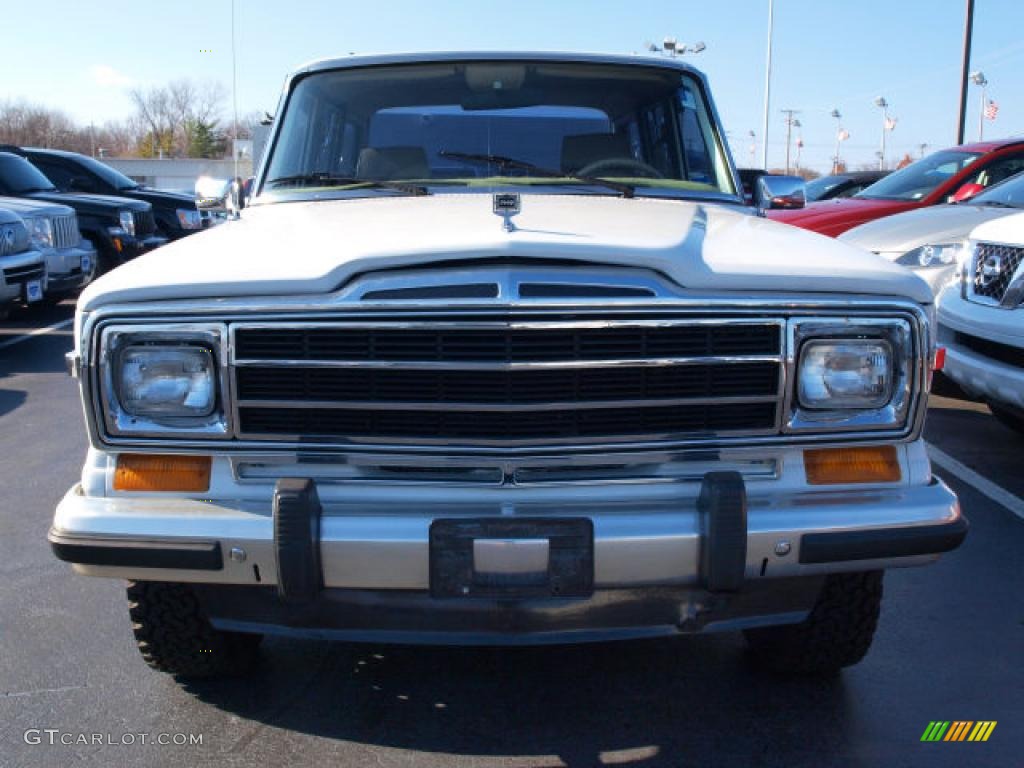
65	231
24	274
544	381
145	224
994	269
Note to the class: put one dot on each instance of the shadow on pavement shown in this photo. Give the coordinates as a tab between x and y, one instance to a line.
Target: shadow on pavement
11	399
638	703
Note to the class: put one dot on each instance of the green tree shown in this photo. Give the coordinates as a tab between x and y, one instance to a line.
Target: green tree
204	139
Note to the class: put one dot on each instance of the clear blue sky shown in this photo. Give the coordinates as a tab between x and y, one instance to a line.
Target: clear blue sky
82	55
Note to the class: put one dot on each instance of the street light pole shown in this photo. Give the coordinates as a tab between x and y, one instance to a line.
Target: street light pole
839	132
767	88
882	104
789	131
978	78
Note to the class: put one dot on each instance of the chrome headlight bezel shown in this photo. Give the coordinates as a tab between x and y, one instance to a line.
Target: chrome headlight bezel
127	221
892	413
120	421
40	231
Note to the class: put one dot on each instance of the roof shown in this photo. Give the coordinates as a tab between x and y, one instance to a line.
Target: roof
989	146
350	61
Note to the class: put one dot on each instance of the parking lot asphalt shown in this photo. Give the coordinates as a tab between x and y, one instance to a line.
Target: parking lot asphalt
950	646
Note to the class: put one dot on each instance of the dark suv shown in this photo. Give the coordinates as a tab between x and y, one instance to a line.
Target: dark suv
120	228
176	212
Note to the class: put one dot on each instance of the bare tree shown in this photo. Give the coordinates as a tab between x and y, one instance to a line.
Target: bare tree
170	112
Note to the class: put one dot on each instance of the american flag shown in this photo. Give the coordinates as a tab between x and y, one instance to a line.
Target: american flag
991	110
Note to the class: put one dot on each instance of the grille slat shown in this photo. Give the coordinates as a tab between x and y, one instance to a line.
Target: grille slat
561	382
145	223
65	231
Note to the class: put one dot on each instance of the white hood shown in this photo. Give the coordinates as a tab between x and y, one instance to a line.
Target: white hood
315	247
1008	230
931	225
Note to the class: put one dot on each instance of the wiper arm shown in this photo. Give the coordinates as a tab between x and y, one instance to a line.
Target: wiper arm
301	179
626	190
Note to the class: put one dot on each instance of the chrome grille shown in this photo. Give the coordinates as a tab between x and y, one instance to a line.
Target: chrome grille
65	231
993	270
24	274
508	382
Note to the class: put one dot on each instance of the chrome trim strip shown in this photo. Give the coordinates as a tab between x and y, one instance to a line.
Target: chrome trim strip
580	405
457	365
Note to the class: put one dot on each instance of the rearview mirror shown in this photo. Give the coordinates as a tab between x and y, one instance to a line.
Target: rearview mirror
780	193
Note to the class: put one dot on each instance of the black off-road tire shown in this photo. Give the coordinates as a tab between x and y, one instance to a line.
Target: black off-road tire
1008	417
174	635
837	634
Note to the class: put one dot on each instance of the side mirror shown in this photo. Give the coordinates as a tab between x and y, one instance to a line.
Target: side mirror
967	191
780	193
236	198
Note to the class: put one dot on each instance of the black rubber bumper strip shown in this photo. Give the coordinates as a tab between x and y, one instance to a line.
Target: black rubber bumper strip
723	504
297	539
882	543
190	556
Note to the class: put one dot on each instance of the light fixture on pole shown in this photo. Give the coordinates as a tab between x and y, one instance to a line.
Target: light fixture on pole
839	138
883	105
978	78
672	48
753	146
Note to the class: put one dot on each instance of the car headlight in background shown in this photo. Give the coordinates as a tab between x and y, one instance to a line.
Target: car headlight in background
189	218
845	374
40	230
156	380
936	255
127	221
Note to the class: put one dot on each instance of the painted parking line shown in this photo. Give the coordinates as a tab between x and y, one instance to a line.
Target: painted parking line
36	332
996	493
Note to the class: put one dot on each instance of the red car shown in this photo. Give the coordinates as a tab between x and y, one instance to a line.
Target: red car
949	175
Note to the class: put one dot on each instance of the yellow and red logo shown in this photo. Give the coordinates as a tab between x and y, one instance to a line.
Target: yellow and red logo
958	730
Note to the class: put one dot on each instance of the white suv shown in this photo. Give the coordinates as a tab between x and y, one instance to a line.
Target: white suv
981	320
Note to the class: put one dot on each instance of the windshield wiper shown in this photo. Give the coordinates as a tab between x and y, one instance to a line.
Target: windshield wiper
626	190
301	179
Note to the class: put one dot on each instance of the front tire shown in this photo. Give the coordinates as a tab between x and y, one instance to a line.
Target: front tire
174	635
837	633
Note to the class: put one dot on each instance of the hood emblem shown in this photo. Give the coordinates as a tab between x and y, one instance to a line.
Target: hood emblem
991	269
507	205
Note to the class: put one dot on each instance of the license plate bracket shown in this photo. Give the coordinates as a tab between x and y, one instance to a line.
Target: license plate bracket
455	572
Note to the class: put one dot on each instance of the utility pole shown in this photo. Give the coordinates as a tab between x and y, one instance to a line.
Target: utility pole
234	91
789	131
965	69
922	146
767	87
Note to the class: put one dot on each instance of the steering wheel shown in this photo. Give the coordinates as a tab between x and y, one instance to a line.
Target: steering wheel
601	168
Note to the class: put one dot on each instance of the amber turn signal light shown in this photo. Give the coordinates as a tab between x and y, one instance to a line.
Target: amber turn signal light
144	472
838	466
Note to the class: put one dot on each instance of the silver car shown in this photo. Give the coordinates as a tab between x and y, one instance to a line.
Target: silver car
930	240
53	231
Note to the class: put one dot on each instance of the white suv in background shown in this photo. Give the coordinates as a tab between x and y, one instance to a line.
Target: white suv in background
981	320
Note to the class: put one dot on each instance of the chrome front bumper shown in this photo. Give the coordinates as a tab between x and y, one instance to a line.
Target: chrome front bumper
381	547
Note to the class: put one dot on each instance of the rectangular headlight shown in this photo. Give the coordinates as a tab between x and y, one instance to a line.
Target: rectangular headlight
852	373
155	380
163	380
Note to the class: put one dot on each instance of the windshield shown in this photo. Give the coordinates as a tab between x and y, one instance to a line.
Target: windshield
920	179
1010	192
116	179
817	189
19	177
648	127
